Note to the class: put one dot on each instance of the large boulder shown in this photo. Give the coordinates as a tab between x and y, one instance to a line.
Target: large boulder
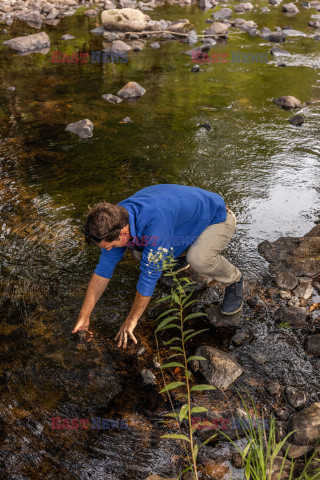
37	41
290	8
219	369
307	424
294	316
222	14
125	20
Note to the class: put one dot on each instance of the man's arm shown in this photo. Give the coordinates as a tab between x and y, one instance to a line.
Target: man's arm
138	307
96	287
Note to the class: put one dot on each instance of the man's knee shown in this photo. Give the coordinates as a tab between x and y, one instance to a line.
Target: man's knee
201	261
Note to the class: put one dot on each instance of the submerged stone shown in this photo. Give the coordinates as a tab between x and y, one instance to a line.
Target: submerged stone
28	43
131	90
82	128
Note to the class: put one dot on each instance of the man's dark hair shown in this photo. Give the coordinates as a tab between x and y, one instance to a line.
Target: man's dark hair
105	221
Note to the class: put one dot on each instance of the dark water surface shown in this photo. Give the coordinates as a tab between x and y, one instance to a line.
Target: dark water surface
266	170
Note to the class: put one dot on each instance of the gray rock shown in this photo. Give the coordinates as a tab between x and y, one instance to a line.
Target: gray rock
293	33
274	389
296	451
222	14
141	351
209	41
67	37
243	7
148	377
317	286
126	20
111	98
294	316
91	13
297	120
313	345
217	28
82	128
220	369
256	303
290	8
195	68
192	38
307	424
98	30
258	358
29	43
156	362
52	14
303	290
131	90
279	52
217	319
276	37
120	46
316	38
296	398
282	414
155	45
126	120
10	89
286	279
128	4
279	465
314	24
241	337
288	102
264	10
284	295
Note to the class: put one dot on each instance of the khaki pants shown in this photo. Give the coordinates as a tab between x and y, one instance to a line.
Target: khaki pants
204	255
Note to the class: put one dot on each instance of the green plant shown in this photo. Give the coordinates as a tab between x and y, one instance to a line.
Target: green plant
284	325
175	318
262	449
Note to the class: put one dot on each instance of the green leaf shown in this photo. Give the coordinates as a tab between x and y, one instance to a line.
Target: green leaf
176	436
183	411
172	340
188	331
186	299
188	304
195	451
176	348
198	410
171	415
185	471
176	298
176	355
195	333
171	325
164	298
166	312
172	364
202	387
188	374
165	321
172	386
194	315
196	357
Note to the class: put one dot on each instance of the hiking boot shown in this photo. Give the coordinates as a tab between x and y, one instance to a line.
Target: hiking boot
233	298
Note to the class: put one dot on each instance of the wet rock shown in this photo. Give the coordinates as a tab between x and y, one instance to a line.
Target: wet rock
156	362
195	68
313	345
286	279
131	90
179	25
241	337
126	20
300	255
297	120
258	358
222	14
91	13
28	43
32	18
290	8
282	414
278	52
217	319
217	28
256	302
82	128
155	45
111	98
52	14
98	30
296	451
314	24
243	7
207	126
209	41
294	316
148	377
317	286
304	290
279	465
284	295
192	38
316	38
118	46
293	33
264	10
274	389
112	36
141	351
296	398
276	37
67	37
126	120
307	424
220	369
265	31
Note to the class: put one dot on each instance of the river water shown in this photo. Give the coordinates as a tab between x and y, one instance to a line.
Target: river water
266	170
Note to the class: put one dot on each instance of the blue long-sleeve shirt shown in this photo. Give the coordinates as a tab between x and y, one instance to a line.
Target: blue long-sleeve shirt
168	216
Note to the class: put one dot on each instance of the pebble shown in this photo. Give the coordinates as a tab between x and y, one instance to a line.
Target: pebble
148	377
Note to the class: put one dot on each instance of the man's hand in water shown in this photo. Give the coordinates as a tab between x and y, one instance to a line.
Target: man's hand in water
126	330
82	324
